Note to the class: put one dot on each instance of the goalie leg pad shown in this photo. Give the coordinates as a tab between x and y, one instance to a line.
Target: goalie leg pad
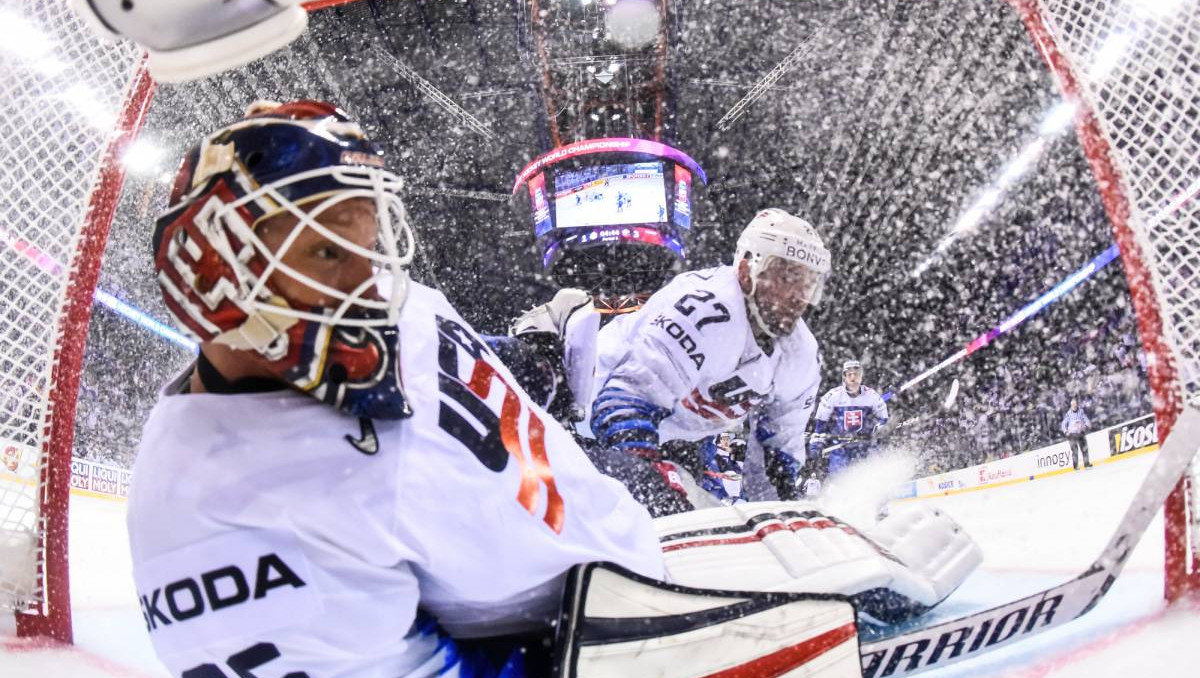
616	624
793	546
931	545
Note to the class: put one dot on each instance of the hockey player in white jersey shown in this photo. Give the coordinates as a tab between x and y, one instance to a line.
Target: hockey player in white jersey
716	346
347	474
847	419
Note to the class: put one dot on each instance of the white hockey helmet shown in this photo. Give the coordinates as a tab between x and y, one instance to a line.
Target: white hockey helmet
773	233
852	369
190	39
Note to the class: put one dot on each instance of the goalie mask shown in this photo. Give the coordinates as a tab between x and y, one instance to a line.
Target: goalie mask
306	170
788	267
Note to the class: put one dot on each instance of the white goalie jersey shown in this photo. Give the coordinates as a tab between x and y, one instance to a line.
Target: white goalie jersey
691	350
273	535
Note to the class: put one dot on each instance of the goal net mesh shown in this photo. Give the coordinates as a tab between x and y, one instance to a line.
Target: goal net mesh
1139	73
60	96
1134	67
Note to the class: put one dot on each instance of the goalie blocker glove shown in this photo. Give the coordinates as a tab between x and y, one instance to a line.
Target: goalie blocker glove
783	468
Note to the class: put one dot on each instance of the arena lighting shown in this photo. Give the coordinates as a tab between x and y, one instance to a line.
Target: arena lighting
1057	121
1108	56
1159	9
50	265
1069	283
144	320
1173	205
142	157
23	39
84	101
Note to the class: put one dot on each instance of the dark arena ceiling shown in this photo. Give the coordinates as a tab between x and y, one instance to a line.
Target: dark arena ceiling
889	120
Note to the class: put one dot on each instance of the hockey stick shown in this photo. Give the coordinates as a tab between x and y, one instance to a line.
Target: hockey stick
966	637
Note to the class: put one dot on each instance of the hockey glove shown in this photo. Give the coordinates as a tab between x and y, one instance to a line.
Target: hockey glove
670	475
628	423
816	444
783	470
551	317
535	361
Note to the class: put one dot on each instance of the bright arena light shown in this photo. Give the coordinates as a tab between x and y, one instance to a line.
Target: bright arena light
1158	9
142	157
1025	313
1059	119
1056	122
632	24
1110	55
51	265
22	39
141	318
80	97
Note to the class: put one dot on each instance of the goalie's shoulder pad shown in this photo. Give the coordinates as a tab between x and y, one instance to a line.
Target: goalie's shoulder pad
908	563
616	624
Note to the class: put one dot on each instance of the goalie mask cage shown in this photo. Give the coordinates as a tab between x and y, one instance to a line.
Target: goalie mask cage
61	172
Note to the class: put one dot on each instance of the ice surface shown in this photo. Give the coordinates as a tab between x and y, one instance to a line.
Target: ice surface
1033	535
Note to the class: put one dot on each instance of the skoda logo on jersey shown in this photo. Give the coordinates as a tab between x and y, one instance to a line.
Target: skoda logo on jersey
212	591
852	420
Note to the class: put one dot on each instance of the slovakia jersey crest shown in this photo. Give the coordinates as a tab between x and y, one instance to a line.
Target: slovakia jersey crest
852	420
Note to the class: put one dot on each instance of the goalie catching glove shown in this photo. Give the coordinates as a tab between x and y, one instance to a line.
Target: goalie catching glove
190	39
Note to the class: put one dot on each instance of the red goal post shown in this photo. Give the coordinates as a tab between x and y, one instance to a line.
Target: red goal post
61	140
1133	71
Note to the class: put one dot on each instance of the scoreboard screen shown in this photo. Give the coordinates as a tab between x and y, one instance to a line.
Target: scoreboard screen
610	195
611	214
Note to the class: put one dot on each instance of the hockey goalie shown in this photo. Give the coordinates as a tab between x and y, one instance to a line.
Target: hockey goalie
370	493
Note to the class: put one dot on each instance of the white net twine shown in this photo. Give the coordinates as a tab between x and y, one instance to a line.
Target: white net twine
1139	72
60	92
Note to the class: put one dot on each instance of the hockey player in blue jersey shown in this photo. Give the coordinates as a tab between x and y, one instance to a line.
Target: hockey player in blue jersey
847	419
722	457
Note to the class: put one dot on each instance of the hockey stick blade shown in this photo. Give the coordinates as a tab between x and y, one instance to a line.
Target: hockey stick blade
952	641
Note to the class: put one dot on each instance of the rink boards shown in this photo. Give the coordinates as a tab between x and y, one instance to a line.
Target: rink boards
1128	439
88	478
